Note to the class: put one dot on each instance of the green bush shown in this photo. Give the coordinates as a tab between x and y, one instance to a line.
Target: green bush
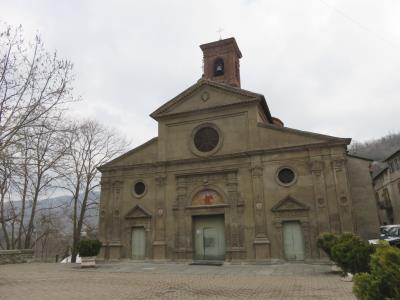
326	241
89	248
352	254
383	281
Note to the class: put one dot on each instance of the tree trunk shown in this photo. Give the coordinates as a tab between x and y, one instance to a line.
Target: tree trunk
28	238
75	233
23	199
3	220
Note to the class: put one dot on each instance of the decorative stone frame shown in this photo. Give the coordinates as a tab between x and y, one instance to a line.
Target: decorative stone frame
282	183
133	189
290	209
305	227
192	146
225	182
137	217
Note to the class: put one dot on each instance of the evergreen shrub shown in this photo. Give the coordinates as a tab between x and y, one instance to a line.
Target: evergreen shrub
383	281
326	241
352	254
89	248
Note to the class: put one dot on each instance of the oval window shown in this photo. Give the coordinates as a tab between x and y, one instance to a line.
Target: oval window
139	188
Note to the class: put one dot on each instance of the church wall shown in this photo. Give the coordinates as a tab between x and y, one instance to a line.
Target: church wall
301	190
177	135
364	202
251	189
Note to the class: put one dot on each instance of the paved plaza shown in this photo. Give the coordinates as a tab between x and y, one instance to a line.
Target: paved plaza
130	280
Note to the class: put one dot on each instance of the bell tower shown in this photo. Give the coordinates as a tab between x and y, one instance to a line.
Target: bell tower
221	61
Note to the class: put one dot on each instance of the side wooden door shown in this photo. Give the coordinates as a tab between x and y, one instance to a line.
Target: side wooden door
293	242
138	243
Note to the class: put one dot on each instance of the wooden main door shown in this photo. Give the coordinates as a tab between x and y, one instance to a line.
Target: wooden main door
138	243
209	237
293	242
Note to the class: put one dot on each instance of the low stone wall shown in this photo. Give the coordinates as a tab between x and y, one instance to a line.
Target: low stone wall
15	256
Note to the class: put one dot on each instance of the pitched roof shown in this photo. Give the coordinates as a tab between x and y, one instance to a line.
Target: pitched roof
392	155
359	157
201	82
379	172
306	133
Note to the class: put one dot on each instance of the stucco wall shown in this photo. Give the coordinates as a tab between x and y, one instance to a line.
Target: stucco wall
365	210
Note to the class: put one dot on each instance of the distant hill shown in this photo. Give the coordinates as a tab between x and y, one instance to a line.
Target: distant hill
377	149
61	207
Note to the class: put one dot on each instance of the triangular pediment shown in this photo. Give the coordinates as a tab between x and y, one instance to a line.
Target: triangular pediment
145	153
289	204
138	212
204	95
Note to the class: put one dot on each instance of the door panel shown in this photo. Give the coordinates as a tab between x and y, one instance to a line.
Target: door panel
293	242
138	243
209	238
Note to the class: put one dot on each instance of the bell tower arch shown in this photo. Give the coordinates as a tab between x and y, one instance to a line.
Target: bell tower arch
221	61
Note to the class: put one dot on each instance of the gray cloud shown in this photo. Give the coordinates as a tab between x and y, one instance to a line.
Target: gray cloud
320	69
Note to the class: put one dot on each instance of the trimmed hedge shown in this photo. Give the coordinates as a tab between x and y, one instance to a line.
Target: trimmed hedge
348	251
352	254
89	248
326	241
383	281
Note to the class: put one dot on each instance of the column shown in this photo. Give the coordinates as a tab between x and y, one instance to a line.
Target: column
321	204
343	195
179	217
261	241
235	224
103	220
159	244
115	240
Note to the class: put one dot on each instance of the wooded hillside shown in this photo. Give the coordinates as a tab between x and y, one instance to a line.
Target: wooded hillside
377	149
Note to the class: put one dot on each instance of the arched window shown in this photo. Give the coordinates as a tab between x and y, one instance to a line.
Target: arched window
219	67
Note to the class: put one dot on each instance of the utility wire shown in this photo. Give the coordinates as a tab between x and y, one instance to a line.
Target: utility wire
362	26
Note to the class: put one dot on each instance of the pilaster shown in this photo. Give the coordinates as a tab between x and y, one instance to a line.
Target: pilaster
261	242
159	244
342	194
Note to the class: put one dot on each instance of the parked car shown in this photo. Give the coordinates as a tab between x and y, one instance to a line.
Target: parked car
393	236
389	233
385	229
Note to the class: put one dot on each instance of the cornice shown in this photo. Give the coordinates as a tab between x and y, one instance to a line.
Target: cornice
220	157
208	109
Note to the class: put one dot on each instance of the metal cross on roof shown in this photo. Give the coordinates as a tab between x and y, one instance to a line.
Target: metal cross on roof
220	31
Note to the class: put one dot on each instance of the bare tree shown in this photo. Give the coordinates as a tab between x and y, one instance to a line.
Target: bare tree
5	182
48	148
34	86
33	83
91	146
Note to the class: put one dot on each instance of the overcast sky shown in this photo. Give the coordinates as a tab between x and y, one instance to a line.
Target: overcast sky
326	66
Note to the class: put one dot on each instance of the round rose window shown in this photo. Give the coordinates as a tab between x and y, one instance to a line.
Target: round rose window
286	176
206	139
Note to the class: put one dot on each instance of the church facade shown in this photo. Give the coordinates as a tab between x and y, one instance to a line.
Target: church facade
225	180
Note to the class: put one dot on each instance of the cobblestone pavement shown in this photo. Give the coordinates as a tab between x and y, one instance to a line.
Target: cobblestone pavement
130	280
